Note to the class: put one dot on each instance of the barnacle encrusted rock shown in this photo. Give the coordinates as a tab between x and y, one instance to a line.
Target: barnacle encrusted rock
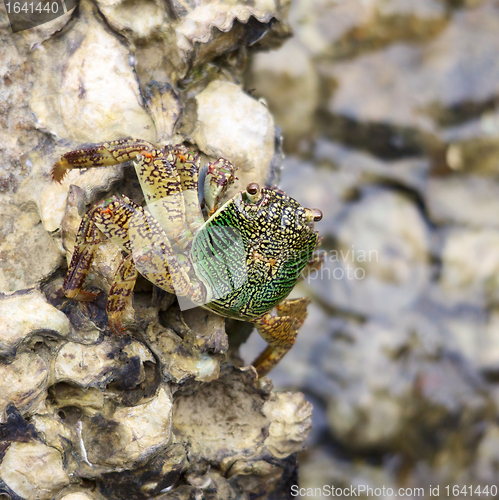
23	382
25	314
119	439
33	470
237	127
160	414
27	252
222	424
96	365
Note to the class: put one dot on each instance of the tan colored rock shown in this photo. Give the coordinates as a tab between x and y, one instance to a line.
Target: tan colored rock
289	83
179	360
470	265
225	418
23	383
290	415
468	200
92	94
27	252
25	314
33	470
233	125
98	364
127	436
381	262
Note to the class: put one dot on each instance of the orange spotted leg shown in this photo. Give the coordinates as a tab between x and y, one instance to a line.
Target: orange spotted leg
148	251
102	155
120	294
279	332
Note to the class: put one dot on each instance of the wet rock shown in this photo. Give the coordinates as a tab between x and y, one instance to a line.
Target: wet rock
488	344
487	461
401	71
51	428
220	422
467	200
180	360
287	80
470	265
166	110
197	22
80	495
95	77
26	314
158	475
33	470
90	399
343	30
331	472
401	388
290	417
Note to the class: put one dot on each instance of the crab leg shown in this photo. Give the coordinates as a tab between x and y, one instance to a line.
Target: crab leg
120	294
158	177
103	155
219	177
160	183
187	164
149	252
279	332
87	240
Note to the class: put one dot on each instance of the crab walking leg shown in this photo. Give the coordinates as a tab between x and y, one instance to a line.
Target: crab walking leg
87	240
120	294
187	165
155	260
133	229
279	332
219	177
162	188
109	217
103	155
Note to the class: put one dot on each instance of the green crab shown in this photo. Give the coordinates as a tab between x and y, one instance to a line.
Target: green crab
241	263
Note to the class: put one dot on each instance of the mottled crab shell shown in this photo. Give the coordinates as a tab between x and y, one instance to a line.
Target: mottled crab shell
251	255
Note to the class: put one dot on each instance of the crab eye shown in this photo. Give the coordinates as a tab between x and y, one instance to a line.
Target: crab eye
313	215
252	188
317	214
253	193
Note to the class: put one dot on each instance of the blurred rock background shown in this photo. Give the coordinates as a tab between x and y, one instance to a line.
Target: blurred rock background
390	115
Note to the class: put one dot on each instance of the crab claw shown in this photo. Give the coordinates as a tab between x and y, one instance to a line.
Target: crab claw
219	177
60	169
